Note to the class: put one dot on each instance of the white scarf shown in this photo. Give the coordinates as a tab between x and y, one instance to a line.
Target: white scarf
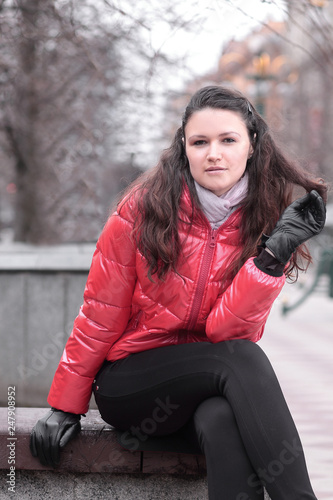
218	208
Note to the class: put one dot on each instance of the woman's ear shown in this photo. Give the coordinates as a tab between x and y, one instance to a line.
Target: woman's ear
183	143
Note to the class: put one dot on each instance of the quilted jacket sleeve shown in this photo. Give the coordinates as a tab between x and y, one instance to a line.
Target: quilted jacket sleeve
241	312
101	320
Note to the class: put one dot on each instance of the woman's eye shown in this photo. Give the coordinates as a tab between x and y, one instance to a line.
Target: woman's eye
229	140
199	143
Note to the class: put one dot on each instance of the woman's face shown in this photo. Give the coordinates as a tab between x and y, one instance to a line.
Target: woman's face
217	146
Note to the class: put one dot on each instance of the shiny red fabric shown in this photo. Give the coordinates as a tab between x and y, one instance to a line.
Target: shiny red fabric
124	312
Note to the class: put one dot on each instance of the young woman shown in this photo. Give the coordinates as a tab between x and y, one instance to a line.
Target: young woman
182	281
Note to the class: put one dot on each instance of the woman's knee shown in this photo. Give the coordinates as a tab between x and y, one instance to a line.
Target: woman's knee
247	354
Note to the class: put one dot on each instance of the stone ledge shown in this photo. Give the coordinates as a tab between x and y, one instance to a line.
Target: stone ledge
95	449
95	461
25	257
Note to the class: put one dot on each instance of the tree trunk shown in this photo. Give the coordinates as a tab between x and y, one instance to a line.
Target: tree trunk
23	137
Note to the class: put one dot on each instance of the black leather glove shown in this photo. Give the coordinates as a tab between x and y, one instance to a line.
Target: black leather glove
300	221
51	433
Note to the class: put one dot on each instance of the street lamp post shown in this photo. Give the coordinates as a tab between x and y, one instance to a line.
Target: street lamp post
262	73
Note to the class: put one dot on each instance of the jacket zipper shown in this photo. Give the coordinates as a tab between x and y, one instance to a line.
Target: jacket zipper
202	280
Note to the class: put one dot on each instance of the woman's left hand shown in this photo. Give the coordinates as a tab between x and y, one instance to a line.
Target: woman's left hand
302	220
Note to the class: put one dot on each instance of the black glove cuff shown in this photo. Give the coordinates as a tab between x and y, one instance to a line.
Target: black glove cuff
264	238
269	264
74	414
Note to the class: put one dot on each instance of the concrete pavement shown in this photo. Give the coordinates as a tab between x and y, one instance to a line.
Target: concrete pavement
300	347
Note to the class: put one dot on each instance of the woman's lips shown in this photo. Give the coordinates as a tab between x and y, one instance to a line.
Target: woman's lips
215	169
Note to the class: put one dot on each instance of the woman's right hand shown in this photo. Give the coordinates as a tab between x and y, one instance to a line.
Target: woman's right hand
51	433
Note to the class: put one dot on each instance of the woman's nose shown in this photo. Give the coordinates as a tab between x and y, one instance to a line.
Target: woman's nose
214	152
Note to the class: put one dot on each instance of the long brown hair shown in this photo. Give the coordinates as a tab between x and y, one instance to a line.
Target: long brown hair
272	179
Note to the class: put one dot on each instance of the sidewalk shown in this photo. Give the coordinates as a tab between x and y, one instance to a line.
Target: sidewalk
300	348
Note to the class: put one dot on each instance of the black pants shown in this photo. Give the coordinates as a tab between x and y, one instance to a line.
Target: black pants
224	395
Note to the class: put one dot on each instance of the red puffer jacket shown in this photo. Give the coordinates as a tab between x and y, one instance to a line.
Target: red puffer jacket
124	312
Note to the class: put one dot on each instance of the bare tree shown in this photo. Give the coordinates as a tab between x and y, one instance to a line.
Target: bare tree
76	76
54	99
